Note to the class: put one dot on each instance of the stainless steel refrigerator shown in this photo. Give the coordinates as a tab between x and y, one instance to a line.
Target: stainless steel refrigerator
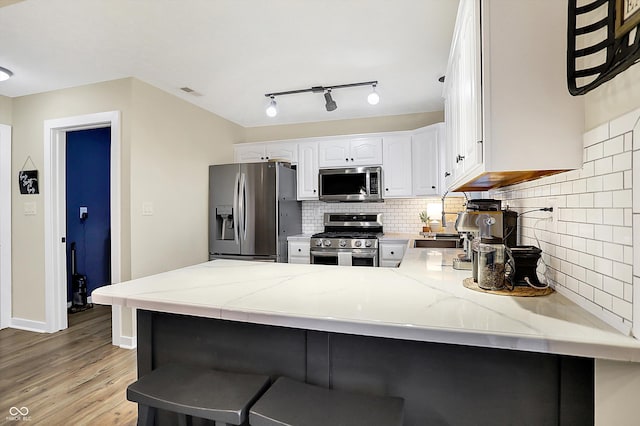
252	211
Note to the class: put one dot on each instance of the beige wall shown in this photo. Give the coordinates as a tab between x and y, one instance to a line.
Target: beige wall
614	98
6	106
167	144
29	114
343	127
174	142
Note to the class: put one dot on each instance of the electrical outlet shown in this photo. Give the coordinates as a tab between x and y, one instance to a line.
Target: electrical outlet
84	212
555	214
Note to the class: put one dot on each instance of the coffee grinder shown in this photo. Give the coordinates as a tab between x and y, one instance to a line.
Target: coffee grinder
525	259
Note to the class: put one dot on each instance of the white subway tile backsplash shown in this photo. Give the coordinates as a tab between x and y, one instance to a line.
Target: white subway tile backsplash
589	250
613	181
603	165
622	198
603	199
613	146
613	287
622	162
599	134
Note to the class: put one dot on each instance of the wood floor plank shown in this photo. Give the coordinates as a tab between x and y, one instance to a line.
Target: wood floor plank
75	376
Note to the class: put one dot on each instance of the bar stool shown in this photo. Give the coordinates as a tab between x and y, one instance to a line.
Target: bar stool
190	391
292	403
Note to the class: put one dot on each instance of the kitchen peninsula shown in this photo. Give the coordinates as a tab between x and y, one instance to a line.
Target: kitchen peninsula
412	331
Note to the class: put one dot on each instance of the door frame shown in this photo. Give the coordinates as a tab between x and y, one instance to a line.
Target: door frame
55	213
5	226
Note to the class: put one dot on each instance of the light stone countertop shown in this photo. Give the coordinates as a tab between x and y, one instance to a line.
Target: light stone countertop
421	300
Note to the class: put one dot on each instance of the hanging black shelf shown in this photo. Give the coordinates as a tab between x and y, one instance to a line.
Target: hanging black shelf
618	45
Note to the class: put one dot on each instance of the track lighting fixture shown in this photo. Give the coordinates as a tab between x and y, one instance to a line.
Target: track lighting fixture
5	74
272	109
373	97
330	103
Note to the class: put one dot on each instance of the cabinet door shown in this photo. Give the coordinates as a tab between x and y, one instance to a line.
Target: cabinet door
287	151
299	252
334	153
308	171
425	170
469	86
249	153
365	151
396	173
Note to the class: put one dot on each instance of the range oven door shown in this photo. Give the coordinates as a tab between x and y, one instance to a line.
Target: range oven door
345	257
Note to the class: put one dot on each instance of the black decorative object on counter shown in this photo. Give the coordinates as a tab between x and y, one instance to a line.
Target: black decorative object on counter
617	42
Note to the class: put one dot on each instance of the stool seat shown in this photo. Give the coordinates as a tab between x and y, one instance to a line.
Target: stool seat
292	403
191	391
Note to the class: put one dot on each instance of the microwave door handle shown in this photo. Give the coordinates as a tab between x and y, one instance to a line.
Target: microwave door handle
236	189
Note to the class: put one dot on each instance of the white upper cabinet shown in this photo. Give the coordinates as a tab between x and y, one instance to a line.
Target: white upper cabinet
509	116
342	152
396	173
308	171
257	152
425	160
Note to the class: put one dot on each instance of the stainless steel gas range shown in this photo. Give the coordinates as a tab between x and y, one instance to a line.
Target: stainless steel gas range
348	239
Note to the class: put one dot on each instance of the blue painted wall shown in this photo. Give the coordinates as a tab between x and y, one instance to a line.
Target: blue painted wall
88	184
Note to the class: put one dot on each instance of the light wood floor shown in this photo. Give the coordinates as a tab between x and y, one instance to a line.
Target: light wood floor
72	377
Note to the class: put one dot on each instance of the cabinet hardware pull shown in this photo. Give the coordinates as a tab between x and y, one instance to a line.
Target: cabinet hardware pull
459	158
447	174
433	187
352	159
386	189
314	191
392	253
346	159
299	249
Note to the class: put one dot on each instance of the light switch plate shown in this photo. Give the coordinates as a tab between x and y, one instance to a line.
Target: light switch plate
29	208
147	208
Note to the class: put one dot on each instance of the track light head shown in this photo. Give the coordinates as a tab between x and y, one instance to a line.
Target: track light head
331	104
373	97
272	108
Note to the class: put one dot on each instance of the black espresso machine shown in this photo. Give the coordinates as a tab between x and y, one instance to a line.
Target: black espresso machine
525	258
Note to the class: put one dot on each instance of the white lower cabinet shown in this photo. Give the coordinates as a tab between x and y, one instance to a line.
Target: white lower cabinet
299	252
391	254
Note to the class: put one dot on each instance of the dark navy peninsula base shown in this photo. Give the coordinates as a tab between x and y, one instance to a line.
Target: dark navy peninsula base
442	384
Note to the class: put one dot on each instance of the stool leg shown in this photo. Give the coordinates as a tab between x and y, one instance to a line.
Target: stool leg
146	415
184	420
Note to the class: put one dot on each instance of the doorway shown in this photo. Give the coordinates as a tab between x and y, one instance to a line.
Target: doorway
5	226
88	217
55	135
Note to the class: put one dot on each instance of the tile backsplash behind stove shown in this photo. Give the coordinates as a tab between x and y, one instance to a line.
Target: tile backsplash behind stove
398	215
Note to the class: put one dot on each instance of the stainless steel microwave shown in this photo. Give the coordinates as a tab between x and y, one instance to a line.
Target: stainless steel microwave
350	184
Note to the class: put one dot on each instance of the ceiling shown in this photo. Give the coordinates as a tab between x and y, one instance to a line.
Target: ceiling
232	52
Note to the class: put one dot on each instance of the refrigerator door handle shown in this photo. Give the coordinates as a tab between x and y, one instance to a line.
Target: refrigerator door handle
243	200
236	190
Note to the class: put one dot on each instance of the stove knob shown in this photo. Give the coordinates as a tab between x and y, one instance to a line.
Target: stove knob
358	243
367	243
318	243
327	243
343	243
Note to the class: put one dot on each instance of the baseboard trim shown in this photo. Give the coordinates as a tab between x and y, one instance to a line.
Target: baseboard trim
28	325
128	342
